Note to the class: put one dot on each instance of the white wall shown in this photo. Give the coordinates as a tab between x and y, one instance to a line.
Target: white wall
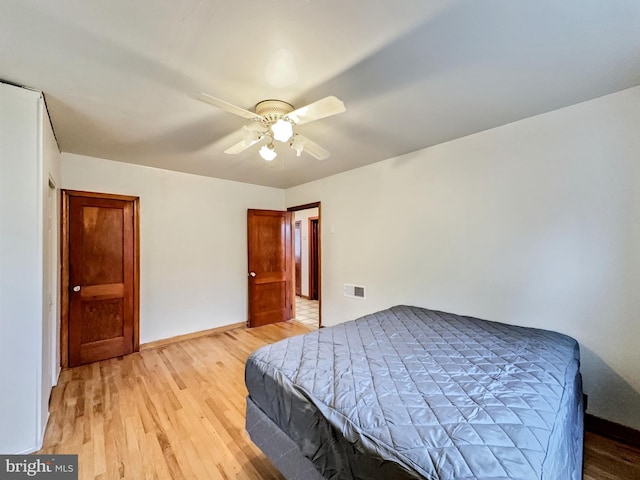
24	138
534	223
193	250
303	216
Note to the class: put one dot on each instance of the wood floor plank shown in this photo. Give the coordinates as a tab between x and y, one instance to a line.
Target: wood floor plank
176	411
607	459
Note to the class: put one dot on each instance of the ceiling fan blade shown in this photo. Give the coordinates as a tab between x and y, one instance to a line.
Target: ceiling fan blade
239	147
249	135
229	107
322	108
312	148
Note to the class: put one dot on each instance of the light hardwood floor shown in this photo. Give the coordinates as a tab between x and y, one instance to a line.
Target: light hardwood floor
606	459
177	412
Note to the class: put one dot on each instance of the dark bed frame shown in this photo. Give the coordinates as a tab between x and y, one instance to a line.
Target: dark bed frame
278	447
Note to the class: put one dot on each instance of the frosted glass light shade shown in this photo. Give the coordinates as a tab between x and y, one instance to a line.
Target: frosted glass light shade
282	130
267	152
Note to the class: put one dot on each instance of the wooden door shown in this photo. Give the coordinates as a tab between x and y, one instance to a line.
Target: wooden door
270	276
101	276
314	264
297	247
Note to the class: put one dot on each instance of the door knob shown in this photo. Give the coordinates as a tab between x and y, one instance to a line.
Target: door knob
252	274
76	288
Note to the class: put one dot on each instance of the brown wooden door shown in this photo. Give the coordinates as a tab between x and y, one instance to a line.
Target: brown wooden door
102	284
314	264
297	247
270	275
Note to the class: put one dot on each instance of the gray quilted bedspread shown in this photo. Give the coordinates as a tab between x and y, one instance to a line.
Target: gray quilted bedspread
415	393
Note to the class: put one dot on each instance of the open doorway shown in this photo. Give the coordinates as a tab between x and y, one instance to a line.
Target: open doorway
307	258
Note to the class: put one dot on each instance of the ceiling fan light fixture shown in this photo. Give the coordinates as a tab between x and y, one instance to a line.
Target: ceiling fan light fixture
276	120
282	130
267	152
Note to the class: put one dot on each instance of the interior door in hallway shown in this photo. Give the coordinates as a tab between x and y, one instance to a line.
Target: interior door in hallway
100	276
297	247
314	259
270	276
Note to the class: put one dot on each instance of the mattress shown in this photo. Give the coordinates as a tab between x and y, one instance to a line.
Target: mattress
411	393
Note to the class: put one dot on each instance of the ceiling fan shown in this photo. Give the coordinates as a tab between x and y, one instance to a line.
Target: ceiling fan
275	120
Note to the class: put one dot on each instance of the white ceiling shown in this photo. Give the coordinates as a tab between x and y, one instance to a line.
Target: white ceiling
118	76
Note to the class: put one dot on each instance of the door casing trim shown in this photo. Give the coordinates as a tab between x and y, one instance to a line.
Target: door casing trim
64	265
306	207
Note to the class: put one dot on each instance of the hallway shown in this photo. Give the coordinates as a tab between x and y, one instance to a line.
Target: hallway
307	312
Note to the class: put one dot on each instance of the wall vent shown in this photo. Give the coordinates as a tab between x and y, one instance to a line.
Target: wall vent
354	291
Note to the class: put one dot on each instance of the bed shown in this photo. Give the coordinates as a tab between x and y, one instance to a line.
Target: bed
409	393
